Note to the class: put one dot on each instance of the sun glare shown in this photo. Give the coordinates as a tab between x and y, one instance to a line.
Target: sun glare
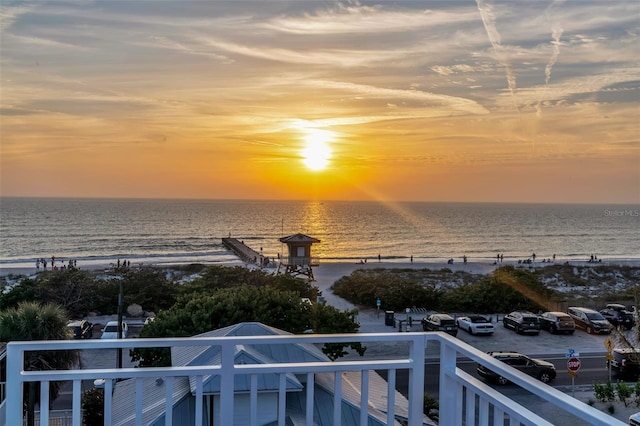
317	152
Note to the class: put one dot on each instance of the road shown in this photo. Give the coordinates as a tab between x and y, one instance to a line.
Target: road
592	370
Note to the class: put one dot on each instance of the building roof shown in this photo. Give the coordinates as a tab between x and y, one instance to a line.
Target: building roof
153	399
298	238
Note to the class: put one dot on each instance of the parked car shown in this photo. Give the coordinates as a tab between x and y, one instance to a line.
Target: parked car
110	331
440	322
540	369
557	322
475	324
626	363
589	320
82	329
522	322
618	315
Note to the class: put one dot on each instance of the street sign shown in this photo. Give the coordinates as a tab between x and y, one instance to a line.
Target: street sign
573	364
572	353
573	374
608	343
609	356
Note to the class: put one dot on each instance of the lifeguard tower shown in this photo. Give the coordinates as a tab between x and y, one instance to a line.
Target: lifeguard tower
299	260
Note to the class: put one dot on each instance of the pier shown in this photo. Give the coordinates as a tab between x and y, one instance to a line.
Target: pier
243	251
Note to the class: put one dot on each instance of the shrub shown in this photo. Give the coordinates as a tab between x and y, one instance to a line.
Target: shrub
636	390
624	392
93	407
604	392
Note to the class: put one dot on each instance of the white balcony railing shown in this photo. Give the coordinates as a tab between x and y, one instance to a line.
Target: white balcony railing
464	400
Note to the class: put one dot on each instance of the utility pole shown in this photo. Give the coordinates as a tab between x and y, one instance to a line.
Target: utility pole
120	304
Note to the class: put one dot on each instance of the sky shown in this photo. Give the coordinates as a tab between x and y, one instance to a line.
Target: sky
474	101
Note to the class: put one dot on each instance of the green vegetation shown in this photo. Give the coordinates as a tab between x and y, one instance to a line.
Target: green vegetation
93	407
624	392
223	296
604	392
504	290
33	321
218	297
79	292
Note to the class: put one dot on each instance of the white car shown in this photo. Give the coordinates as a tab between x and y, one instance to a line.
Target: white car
475	324
110	331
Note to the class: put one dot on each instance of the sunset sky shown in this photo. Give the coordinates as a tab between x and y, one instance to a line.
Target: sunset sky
514	101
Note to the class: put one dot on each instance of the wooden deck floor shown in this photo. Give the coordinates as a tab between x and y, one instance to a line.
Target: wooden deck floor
243	251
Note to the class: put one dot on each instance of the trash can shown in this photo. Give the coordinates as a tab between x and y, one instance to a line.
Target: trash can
389	318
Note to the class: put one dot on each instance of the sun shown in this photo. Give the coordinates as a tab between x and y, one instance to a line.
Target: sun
317	151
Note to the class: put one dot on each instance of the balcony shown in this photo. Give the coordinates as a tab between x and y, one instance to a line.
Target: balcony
300	261
464	400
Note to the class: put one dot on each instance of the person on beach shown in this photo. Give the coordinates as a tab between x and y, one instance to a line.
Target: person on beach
37	265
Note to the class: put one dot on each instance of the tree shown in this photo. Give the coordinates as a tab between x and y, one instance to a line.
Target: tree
218	277
71	288
33	321
328	319
281	309
149	288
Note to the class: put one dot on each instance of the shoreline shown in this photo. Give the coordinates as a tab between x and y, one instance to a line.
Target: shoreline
338	269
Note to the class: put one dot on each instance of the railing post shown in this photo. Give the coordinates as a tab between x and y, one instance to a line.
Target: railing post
448	398
15	365
416	380
227	383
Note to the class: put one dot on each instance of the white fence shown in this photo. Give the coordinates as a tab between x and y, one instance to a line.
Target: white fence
464	400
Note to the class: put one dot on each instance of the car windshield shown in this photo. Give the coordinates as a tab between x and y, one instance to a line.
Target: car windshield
594	316
530	319
479	320
111	329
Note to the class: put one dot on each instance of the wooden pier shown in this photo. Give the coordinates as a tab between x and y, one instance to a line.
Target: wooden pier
243	251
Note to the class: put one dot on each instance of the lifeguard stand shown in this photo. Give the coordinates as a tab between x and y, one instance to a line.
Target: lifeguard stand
299	260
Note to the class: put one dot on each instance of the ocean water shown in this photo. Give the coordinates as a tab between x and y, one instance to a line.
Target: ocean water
100	231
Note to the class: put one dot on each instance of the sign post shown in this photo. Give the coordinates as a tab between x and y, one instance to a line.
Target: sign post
378	303
609	345
573	365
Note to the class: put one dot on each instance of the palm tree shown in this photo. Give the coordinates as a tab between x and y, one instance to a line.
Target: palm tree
33	321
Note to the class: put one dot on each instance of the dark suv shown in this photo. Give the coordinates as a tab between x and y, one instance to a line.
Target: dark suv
618	315
557	322
540	369
626	363
522	322
589	320
440	322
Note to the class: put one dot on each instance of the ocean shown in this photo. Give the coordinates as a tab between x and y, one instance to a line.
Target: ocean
168	232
